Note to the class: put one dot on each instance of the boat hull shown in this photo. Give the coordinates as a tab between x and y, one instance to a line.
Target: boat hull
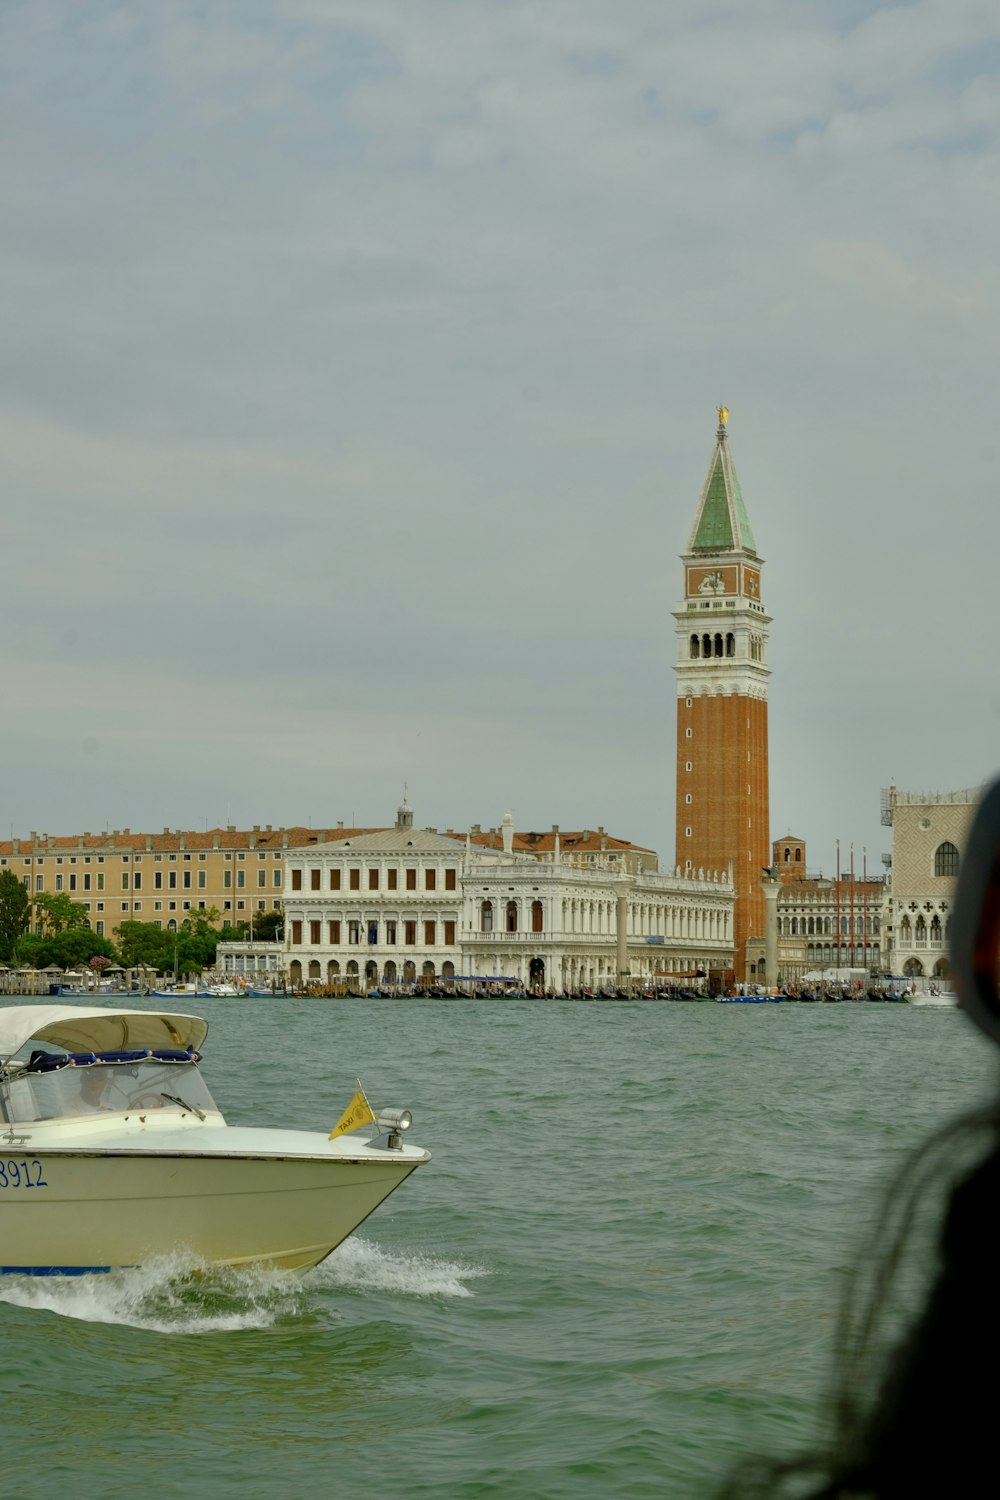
72	1212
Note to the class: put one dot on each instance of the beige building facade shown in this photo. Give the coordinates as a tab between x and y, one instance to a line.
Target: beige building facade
160	878
929	830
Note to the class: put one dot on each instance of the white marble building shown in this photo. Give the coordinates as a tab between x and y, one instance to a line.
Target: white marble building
404	905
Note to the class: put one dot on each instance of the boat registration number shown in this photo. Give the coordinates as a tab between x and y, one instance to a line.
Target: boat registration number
21	1174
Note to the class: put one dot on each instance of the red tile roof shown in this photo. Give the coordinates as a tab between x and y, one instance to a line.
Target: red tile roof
121	841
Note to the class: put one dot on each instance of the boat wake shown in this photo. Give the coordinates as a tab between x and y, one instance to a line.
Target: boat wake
170	1294
362	1265
179	1294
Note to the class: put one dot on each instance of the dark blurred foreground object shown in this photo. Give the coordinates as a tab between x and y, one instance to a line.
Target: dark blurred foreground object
975	924
926	1425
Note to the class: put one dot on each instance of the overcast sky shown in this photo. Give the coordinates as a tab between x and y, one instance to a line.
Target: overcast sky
360	368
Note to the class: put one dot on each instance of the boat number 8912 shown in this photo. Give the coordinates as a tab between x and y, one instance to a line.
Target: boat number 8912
26	1174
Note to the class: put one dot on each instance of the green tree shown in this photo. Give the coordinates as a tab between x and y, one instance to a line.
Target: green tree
145	943
71	948
30	950
201	917
74	947
15	913
197	940
266	926
188	950
58	913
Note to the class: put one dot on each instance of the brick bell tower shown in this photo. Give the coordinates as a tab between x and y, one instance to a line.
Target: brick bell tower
722	672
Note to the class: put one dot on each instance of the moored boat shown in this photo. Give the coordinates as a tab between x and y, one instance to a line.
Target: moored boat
181	992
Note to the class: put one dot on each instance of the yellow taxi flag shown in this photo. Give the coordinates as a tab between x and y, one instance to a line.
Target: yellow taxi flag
358	1112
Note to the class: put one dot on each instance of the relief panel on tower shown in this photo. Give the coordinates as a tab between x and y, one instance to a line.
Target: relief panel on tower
751	583
712	581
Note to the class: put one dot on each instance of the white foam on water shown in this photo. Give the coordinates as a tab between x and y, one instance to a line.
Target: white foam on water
362	1265
173	1293
178	1293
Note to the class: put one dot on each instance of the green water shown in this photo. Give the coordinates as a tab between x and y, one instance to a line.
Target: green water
619	1271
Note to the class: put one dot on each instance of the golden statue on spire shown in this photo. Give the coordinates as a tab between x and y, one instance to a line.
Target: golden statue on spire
723	415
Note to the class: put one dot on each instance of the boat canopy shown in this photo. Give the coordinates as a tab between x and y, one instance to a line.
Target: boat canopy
81	1030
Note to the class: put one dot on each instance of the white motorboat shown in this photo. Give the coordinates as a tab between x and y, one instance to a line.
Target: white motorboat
113	1151
181	992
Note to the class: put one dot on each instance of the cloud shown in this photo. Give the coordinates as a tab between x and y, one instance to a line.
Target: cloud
361	364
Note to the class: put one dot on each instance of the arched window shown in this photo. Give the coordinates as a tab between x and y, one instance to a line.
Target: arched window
798	856
511	923
486	917
946	859
695	647
718	645
730	644
706	645
536	916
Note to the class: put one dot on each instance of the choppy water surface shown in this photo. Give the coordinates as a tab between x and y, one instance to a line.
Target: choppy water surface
619	1271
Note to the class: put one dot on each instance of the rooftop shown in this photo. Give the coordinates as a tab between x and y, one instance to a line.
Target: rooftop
721	523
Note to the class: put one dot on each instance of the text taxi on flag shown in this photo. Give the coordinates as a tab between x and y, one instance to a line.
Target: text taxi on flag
359	1112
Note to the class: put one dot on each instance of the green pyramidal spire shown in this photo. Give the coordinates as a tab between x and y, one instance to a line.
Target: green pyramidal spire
721	524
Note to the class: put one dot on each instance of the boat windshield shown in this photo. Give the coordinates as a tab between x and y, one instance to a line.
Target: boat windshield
72	1088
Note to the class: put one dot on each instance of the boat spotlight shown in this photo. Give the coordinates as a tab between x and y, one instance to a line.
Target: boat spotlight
394	1122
